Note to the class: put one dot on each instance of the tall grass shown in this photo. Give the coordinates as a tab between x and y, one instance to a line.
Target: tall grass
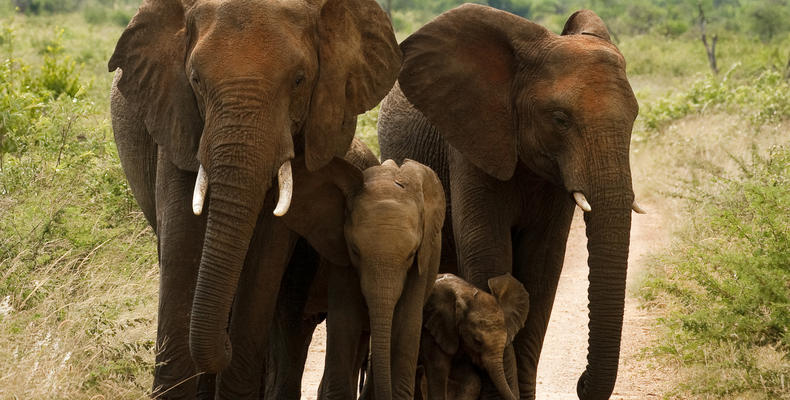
724	288
77	260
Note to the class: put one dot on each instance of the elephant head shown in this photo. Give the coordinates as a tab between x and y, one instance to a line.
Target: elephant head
504	91
234	90
460	317
385	222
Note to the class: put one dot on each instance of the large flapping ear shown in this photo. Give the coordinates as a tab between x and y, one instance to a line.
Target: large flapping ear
318	205
513	299
459	71
151	54
586	22
427	182
442	312
359	60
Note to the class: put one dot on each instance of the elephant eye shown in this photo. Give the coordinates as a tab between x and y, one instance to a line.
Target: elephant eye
298	81
355	250
562	120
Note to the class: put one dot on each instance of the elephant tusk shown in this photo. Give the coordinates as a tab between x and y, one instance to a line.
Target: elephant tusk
581	201
637	208
199	196
286	182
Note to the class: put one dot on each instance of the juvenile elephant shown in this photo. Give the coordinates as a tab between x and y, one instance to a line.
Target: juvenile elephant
465	326
521	125
219	96
302	302
381	228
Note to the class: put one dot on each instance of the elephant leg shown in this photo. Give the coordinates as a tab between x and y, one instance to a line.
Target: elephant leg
437	365
369	387
465	382
180	240
539	256
406	330
482	217
254	307
346	325
292	330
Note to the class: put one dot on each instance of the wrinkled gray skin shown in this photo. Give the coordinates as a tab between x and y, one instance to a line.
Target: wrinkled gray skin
466	328
303	300
381	230
515	119
238	87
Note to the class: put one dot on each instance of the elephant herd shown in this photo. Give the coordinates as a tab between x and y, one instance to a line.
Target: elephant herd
435	270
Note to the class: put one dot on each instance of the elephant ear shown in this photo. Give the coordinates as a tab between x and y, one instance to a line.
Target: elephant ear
586	22
513	299
151	54
459	71
442	312
427	183
359	60
318	205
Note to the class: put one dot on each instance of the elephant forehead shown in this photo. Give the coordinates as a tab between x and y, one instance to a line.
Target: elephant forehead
243	32
486	314
373	210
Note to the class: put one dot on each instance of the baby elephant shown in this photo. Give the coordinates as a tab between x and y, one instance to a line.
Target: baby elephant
466	329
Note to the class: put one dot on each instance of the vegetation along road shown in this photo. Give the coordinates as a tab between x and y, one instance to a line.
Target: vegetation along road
708	306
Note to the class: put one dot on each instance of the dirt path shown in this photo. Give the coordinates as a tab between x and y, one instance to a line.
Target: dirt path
565	348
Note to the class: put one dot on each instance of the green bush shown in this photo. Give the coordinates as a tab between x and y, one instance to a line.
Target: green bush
94	14
764	98
726	285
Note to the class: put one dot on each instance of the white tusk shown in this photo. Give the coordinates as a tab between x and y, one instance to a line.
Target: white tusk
199	196
286	182
637	208
581	201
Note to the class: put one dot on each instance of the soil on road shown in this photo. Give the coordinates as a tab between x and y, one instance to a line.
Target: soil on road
564	353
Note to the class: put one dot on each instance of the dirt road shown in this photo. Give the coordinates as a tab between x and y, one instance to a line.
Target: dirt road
564	353
565	349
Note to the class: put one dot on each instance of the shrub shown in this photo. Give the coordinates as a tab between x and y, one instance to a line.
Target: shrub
764	98
726	285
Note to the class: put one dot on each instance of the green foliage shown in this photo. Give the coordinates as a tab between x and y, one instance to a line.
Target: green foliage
366	130
726	286
763	99
77	260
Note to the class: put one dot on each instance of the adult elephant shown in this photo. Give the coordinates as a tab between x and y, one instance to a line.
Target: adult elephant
219	97
520	122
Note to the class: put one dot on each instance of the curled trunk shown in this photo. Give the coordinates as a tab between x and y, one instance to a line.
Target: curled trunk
608	230
496	371
231	221
382	291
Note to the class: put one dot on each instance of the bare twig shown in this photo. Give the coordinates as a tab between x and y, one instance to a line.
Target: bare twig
711	50
64	132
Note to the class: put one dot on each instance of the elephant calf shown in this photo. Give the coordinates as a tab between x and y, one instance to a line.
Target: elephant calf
466	329
381	230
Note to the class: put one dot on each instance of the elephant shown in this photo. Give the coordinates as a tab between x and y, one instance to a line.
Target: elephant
521	125
303	299
465	328
380	230
210	102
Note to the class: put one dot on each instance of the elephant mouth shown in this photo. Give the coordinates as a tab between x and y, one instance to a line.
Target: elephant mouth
581	200
284	181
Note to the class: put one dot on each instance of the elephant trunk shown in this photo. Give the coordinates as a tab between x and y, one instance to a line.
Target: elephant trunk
239	176
608	232
381	292
496	371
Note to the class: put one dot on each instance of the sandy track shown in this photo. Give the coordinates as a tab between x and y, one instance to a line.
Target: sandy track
565	348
